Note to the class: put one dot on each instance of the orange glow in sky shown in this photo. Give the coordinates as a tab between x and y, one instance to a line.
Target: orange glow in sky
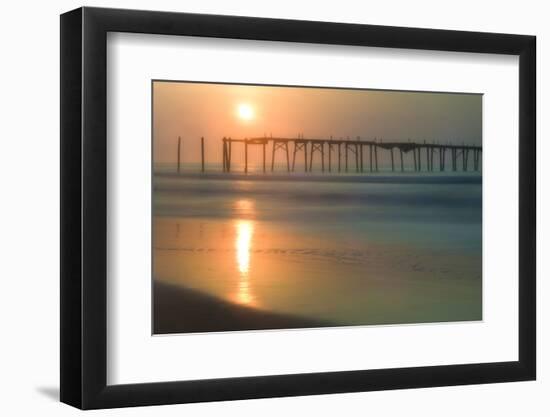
213	111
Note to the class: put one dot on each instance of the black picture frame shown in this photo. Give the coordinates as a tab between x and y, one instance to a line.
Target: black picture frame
84	207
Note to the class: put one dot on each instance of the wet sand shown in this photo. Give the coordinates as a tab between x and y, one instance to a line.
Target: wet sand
182	310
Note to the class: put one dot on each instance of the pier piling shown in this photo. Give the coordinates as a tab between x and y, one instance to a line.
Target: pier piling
282	145
330	156
465	159
339	156
370	158
319	147
224	155
453	157
346	156
263	154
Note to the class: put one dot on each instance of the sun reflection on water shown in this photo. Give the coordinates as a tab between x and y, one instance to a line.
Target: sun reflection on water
243	242
244	208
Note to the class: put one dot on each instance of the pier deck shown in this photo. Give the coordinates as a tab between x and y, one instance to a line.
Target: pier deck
347	154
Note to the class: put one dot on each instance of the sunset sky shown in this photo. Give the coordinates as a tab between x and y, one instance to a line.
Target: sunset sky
192	110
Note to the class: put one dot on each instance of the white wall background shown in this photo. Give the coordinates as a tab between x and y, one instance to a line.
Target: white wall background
29	226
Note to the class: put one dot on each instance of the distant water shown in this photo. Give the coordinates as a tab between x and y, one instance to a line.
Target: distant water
351	250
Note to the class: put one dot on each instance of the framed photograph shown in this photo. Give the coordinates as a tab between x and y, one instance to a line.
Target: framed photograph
257	207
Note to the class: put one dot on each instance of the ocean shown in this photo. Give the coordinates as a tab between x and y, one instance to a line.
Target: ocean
340	250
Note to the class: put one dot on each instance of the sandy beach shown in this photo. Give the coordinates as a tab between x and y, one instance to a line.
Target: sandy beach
181	310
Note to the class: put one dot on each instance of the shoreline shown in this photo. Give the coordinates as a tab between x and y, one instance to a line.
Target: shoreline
177	309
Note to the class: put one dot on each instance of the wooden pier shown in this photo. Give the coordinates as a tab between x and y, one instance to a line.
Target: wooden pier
349	154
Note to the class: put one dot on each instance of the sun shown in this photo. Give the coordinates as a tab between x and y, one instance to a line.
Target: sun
245	112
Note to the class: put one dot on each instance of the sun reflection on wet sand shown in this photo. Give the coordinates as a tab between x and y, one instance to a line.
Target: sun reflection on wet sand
242	242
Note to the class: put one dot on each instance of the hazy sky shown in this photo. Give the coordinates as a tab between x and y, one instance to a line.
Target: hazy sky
192	110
